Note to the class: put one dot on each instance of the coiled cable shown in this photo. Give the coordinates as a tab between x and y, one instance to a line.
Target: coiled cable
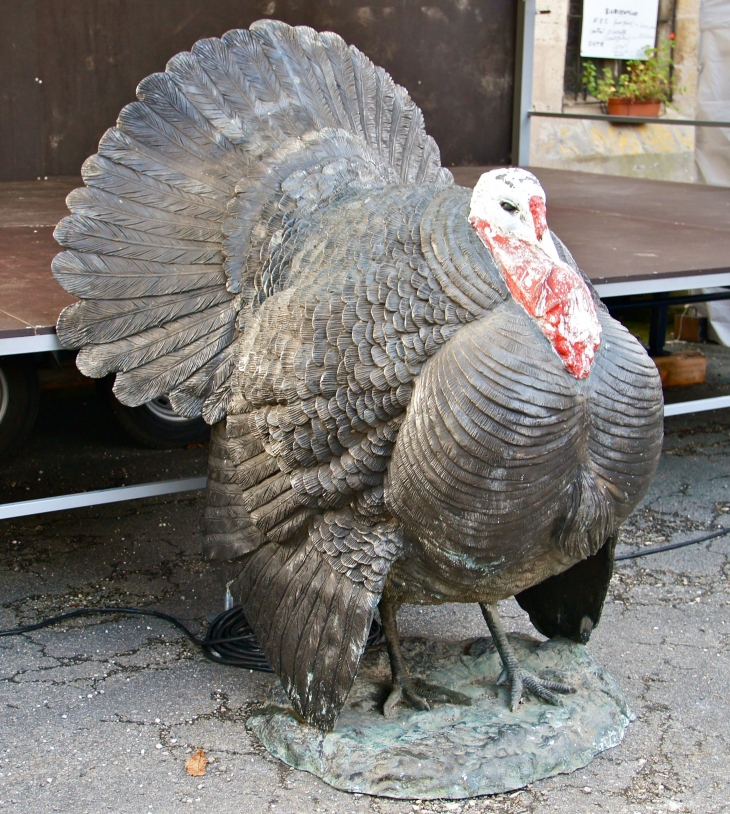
229	639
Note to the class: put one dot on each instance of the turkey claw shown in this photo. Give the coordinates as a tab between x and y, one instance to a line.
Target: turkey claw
417	694
407	694
520	680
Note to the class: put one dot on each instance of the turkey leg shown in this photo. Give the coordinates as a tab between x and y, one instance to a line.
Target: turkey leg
519	679
414	692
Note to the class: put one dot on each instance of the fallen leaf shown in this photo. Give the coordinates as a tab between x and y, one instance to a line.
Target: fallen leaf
196	764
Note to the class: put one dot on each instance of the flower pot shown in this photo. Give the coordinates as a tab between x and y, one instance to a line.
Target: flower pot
625	107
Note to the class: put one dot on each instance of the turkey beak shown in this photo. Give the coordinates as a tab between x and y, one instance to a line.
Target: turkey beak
539	215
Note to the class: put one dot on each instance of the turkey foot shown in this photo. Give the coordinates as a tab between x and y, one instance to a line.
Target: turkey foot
420	695
413	692
519	679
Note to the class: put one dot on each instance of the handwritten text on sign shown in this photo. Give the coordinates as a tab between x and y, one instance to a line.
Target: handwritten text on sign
618	29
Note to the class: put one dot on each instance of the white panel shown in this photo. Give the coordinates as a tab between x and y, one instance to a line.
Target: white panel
649	286
618	29
698	406
38	343
99	497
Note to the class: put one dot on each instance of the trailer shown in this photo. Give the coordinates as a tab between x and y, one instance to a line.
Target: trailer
30	302
639	242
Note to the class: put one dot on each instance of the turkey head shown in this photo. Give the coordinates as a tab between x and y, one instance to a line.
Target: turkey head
508	211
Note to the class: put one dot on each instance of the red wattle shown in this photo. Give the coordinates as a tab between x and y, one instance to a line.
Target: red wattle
553	294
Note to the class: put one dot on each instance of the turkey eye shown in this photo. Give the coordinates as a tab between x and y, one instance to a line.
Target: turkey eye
507	206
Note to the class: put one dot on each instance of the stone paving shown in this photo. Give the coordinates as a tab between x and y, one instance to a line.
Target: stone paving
100	714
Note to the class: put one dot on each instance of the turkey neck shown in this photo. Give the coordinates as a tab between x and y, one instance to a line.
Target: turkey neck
506	459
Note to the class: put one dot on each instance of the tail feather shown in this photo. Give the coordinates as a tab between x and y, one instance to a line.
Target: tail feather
122	148
207	392
188	106
342	82
292	70
248	53
121	278
139	349
161	375
229	530
181	134
209	168
101	205
95	322
209	109
334	65
99	172
109	238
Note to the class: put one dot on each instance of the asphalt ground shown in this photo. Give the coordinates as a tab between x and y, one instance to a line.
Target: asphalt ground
101	714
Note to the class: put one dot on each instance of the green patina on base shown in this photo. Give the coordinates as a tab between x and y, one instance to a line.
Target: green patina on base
456	751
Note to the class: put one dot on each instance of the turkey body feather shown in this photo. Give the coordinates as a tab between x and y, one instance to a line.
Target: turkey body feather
267	235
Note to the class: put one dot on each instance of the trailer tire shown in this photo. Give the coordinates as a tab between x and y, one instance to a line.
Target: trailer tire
18	402
155	424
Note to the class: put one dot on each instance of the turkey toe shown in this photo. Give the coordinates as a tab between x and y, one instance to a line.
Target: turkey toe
404	693
519	679
421	695
438	694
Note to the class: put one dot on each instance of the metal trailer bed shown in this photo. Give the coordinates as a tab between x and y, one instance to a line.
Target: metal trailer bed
630	236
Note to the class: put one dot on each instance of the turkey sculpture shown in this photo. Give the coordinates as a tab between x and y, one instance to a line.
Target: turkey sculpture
416	396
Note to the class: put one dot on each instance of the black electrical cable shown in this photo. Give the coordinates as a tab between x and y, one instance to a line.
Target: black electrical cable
644	552
229	639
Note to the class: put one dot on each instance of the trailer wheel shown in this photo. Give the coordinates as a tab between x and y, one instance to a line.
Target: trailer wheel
156	424
18	402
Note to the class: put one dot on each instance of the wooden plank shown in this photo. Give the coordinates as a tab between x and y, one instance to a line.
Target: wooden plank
35	203
605	244
682	368
11	326
697	205
28	291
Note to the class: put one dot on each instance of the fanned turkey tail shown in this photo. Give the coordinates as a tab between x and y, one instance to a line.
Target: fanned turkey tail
168	245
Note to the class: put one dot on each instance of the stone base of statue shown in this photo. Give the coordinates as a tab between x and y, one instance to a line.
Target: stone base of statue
456	751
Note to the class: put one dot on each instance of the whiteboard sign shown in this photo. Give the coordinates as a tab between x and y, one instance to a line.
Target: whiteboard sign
618	29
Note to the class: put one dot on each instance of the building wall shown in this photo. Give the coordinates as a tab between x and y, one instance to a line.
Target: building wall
686	52
641	151
551	35
713	92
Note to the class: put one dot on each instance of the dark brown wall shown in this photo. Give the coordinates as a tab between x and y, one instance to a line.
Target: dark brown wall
456	57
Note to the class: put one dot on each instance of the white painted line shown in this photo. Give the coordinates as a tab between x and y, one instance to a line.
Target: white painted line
38	343
99	497
649	286
696	406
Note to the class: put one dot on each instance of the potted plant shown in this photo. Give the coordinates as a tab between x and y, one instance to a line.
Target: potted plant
640	90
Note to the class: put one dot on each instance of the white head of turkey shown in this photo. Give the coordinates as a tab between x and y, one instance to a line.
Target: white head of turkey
508	211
